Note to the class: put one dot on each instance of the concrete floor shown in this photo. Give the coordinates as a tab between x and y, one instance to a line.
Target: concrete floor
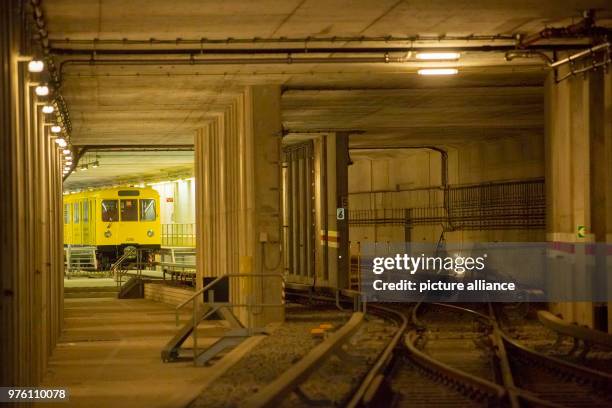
109	356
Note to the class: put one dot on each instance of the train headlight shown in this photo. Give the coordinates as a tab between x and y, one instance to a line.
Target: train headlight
108	234
150	233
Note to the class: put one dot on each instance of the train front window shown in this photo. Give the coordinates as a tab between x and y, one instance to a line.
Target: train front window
147	209
110	211
129	210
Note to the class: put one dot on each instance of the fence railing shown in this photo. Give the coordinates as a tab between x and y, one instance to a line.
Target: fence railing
500	205
178	235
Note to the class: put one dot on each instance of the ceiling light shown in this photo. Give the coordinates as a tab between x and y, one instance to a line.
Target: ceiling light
42	90
438	71
67	151
60	140
56	129
36	66
438	56
95	164
48	109
84	167
68	162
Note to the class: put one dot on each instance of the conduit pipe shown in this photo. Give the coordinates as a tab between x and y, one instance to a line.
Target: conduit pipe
568	60
584	27
386	59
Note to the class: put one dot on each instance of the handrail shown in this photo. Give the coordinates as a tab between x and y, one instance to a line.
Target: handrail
229	275
298	373
195	317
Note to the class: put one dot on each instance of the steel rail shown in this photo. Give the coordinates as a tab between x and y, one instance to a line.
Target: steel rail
587	335
370	384
475	387
278	389
597	379
373	380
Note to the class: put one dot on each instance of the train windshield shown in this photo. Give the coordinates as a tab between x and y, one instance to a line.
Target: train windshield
147	209
129	210
110	211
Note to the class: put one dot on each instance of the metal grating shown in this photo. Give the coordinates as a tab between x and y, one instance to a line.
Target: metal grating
498	205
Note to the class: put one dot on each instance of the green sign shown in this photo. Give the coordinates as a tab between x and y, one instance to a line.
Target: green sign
581	231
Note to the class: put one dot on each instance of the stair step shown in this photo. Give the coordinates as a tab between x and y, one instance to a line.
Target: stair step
75	289
90	294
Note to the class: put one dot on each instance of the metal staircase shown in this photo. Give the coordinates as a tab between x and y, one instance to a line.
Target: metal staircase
209	309
80	258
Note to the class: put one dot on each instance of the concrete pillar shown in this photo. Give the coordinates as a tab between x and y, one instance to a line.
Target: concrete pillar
578	173
238	218
332	158
31	265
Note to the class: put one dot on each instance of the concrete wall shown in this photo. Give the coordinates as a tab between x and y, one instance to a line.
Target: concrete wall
167	294
411	178
177	201
579	174
238	218
31	269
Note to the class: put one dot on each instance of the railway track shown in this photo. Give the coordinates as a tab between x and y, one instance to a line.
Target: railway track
446	355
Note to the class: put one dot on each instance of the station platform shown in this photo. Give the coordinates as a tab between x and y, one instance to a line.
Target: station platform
109	356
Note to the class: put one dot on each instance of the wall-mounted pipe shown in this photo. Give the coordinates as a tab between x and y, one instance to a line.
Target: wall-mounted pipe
592	52
202	42
584	28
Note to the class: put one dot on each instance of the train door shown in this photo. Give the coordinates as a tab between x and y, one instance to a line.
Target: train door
85	223
76	223
67	225
93	206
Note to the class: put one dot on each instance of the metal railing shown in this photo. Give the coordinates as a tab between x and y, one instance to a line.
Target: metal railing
497	205
178	235
209	289
180	273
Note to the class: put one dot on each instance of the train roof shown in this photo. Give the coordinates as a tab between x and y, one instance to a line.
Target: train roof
114	193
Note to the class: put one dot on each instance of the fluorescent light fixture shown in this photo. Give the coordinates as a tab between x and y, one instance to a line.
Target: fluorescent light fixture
36	66
438	71
68	162
95	164
67	151
84	167
42	90
56	129
438	56
48	109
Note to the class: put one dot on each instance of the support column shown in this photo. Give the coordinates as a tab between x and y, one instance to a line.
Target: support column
578	179
31	264
333	209
238	218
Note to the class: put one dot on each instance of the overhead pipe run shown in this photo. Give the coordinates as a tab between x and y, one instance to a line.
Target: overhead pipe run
202	42
590	52
584	28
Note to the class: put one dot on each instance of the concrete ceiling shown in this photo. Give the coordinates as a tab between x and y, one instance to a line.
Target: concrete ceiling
388	103
130	167
144	19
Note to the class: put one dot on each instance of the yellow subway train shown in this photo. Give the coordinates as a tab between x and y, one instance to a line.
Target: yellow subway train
111	220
